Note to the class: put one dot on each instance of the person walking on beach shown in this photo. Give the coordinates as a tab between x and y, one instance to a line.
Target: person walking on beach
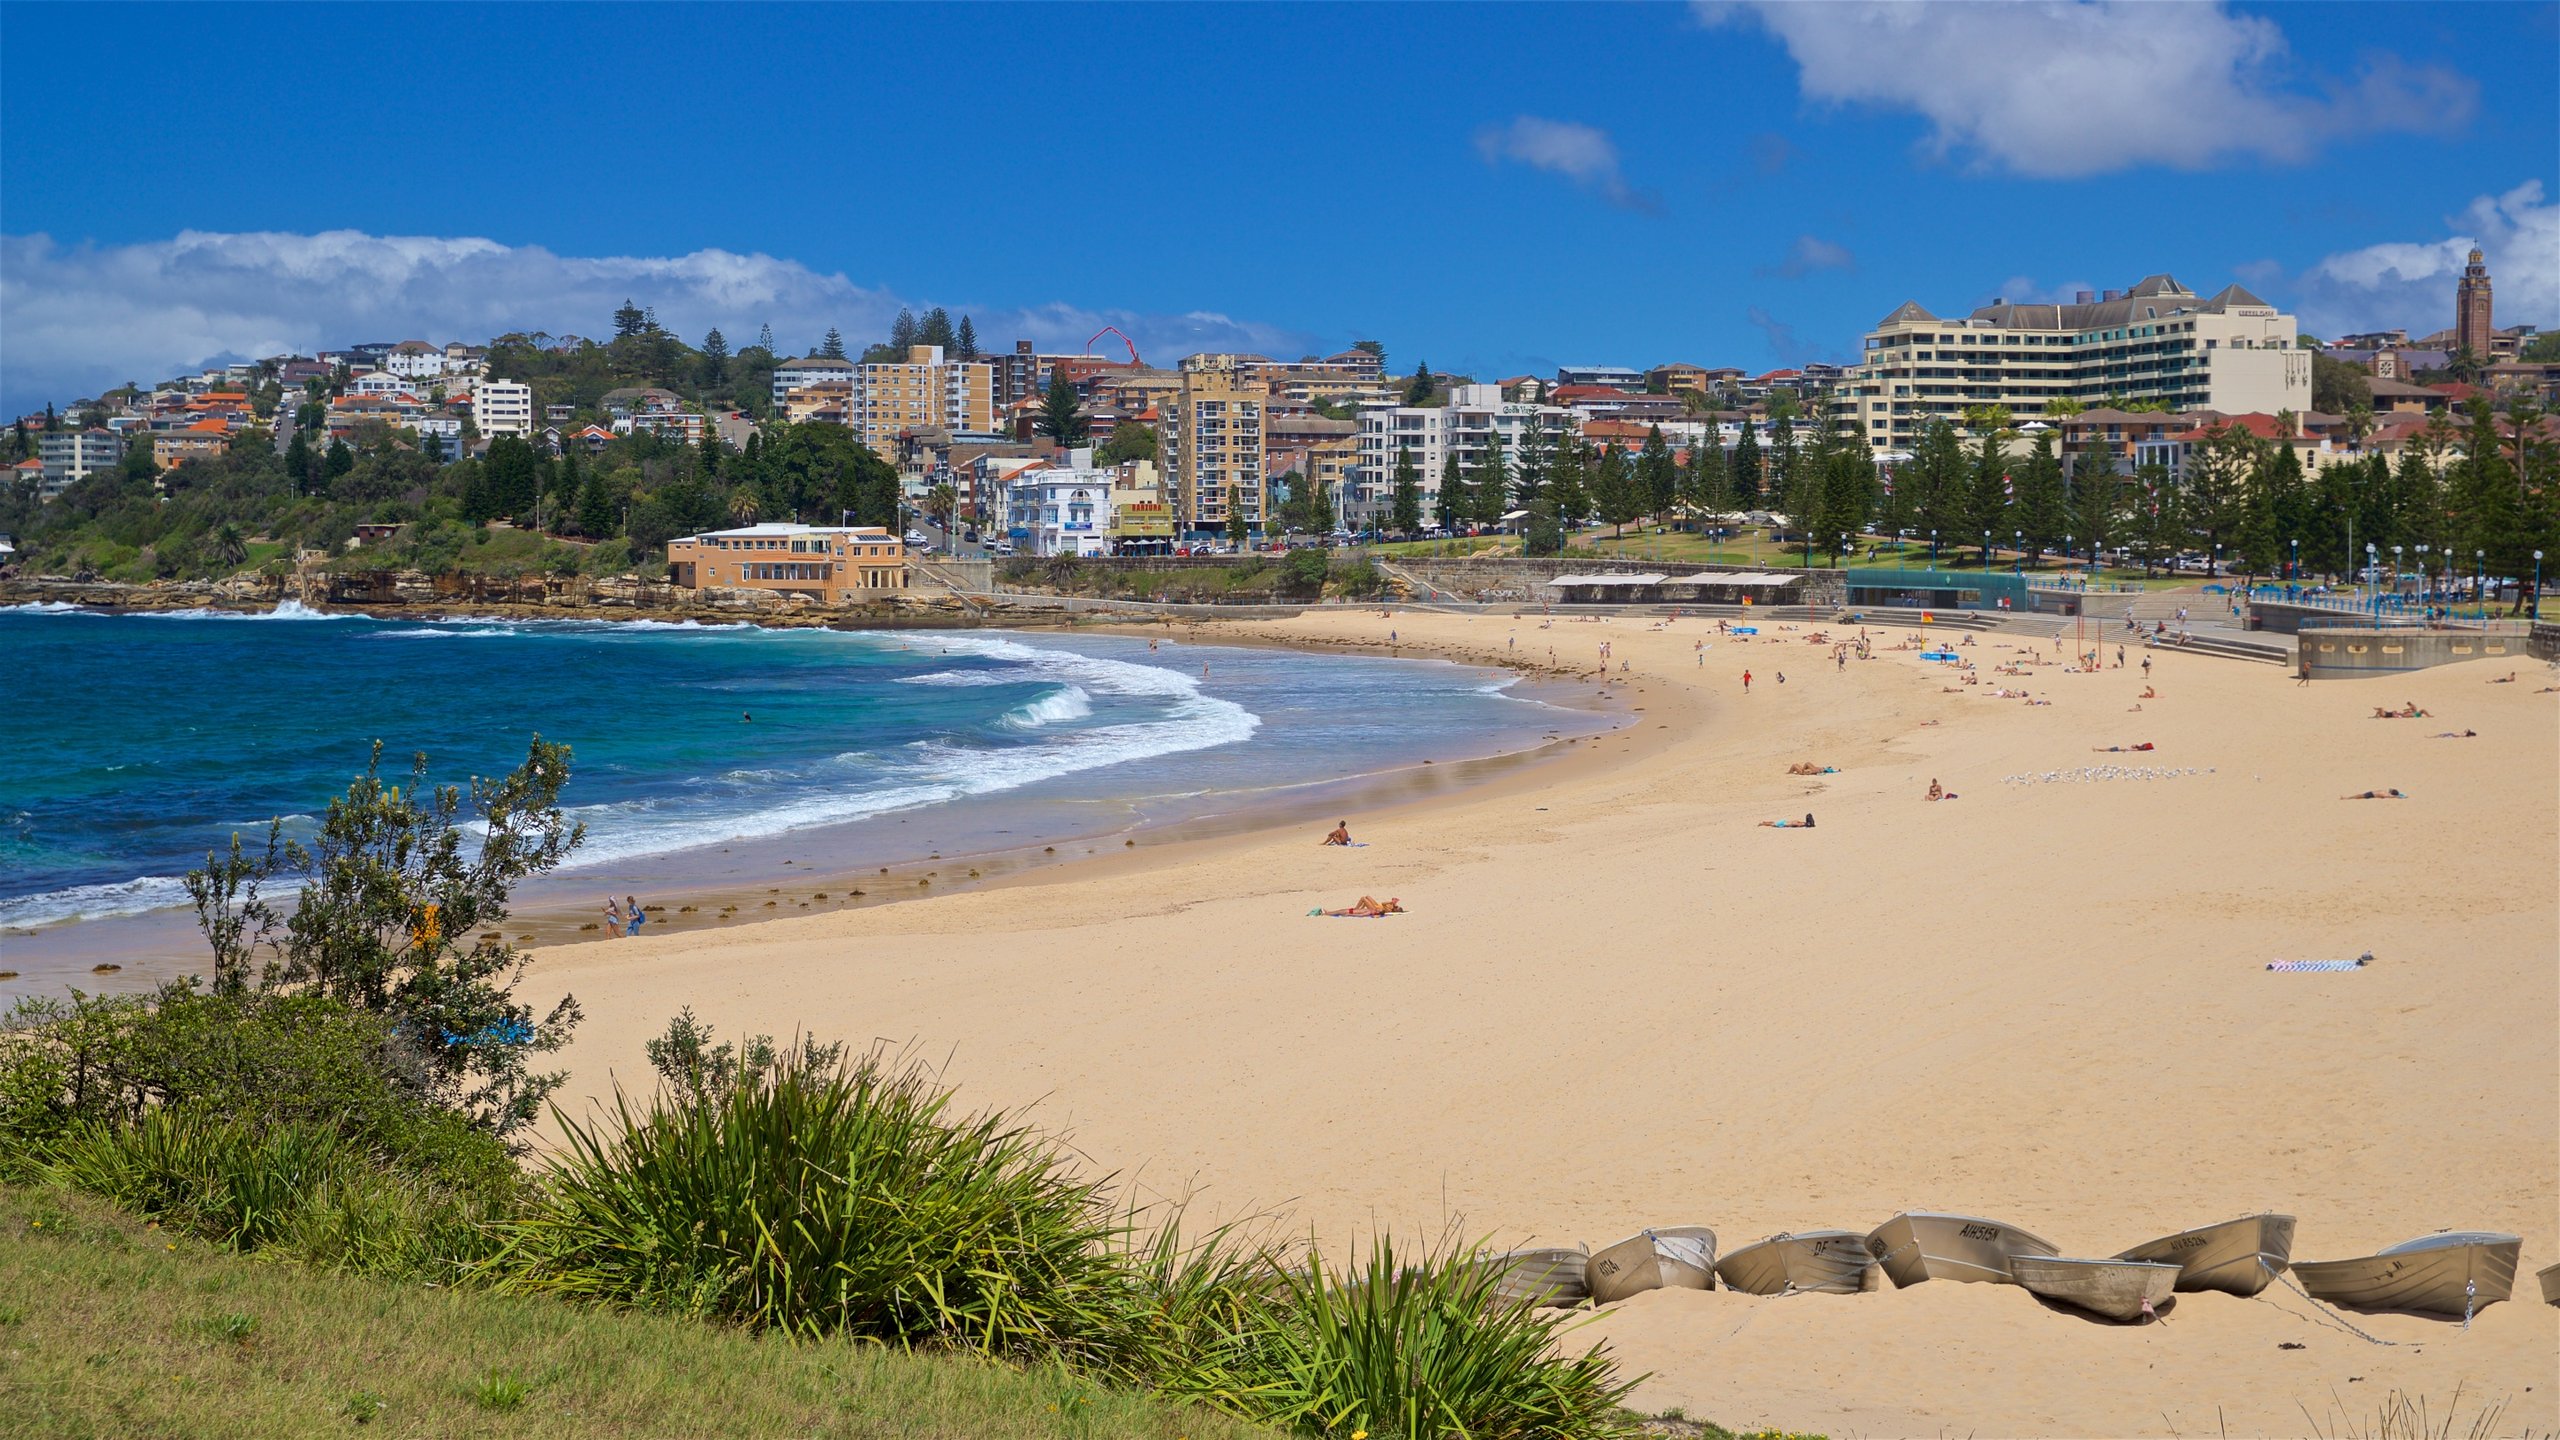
612	918
637	917
1746	682
2146	667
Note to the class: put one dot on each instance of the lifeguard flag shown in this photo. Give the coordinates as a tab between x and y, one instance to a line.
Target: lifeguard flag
1926	617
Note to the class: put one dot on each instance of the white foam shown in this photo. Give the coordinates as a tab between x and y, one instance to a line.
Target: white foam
440	632
936	772
1069	702
969	677
92	902
44	607
286	609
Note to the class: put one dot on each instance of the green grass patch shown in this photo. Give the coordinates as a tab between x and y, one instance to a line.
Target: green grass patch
124	1329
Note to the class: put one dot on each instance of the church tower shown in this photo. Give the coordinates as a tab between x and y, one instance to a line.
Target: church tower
2472	327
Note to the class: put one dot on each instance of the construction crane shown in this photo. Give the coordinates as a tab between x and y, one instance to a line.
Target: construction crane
1125	340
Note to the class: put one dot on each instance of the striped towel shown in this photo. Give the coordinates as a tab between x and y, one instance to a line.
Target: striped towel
2358	963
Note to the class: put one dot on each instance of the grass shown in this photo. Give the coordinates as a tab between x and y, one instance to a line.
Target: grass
117	1327
1756	548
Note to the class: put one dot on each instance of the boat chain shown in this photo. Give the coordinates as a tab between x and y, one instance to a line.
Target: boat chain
2334	1317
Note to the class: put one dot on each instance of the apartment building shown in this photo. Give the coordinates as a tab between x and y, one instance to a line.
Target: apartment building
1320	451
1211	439
1474	416
807	371
881	400
830	564
1059	509
2157	341
71	456
201	440
1616	377
502	407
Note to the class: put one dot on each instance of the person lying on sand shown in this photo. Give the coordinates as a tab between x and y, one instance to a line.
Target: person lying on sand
1341	833
1367	909
2119	749
2393	794
1807	767
2457	734
2148	694
2507	679
1804	824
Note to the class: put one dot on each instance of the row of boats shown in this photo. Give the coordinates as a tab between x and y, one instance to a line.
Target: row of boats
2453	1273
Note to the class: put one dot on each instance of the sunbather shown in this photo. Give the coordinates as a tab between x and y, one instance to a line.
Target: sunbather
2455	735
1804	824
1938	791
2392	794
1367	909
2117	749
1341	833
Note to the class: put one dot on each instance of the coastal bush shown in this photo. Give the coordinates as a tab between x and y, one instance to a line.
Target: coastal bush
825	1198
1306	569
1408	1347
1358	578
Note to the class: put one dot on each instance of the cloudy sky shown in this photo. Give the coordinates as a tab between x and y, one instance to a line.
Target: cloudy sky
1492	189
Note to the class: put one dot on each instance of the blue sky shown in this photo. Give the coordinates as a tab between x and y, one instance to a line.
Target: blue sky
1494	189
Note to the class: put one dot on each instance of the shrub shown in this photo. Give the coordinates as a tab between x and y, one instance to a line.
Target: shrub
1410	1349
1306	569
1360	577
825	1198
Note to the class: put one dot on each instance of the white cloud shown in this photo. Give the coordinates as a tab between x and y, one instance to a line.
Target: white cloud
1810	253
2410	283
2062	88
1581	153
79	319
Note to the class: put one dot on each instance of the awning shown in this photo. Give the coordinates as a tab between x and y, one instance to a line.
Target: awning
1606	580
1739	577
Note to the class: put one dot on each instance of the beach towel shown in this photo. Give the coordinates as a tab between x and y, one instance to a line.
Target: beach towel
2298	966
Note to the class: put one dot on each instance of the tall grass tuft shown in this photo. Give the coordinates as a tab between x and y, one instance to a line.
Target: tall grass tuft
819	1197
227	1180
1410	1347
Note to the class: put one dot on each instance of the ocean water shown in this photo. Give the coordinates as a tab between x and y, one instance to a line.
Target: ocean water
132	744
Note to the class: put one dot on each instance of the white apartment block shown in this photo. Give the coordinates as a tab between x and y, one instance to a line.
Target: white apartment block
809	370
1059	510
2155	342
1463	427
502	407
70	456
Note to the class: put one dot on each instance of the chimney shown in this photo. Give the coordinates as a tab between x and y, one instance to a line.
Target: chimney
1021	347
2085	297
1999	299
2115	294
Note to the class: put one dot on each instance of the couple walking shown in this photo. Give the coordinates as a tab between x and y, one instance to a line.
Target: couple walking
624	918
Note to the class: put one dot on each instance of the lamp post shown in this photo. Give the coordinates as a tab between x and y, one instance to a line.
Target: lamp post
1933	549
1986	552
2395	574
2372	562
2479	595
2533	602
2294	570
2018	546
2422	577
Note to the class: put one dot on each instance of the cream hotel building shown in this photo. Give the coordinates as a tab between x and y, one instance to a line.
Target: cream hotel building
2155	342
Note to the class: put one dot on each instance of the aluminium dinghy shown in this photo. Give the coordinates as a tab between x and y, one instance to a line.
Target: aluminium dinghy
1829	1262
2116	1289
1669	1257
2549	1275
2455	1273
1549	1276
1919	1245
2239	1256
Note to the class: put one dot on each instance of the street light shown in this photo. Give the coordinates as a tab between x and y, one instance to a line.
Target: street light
1933	549
2294	571
2535	601
2479	597
1986	552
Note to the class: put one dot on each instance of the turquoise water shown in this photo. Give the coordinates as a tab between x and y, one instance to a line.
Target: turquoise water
131	744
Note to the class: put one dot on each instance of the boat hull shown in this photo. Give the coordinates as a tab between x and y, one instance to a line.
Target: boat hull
1920	1245
2238	1256
2452	1274
1829	1262
1674	1257
2117	1289
1542	1277
2549	1275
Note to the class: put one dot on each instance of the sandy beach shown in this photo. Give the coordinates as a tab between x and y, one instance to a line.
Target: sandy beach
1618	1001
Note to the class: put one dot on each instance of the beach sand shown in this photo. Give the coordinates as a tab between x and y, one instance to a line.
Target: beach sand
1617	1002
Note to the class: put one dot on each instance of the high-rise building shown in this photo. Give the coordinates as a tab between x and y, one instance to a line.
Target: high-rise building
1211	438
2473	328
1474	418
2155	342
880	400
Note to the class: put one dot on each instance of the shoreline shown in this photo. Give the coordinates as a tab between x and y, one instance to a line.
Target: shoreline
150	947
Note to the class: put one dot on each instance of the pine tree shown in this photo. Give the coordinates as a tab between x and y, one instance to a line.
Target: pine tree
1614	496
1986	510
599	514
1567	490
1657	479
567	487
936	330
1536	455
1452	505
1748	479
965	343
297	463
1781	484
1417	391
1404	508
338	462
715	357
832	347
628	321
1490	488
2097	499
1061	417
764	338
903	332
